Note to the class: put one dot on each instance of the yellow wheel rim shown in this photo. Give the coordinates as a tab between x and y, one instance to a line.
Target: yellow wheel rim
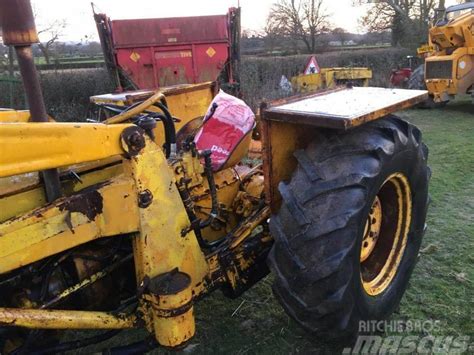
372	230
385	234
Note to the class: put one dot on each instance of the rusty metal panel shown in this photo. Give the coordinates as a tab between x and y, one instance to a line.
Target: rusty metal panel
152	67
169	31
280	141
172	51
343	108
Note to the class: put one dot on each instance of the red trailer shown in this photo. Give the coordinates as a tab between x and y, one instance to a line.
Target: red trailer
153	53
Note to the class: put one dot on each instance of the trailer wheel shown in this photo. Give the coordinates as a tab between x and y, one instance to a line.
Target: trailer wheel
350	226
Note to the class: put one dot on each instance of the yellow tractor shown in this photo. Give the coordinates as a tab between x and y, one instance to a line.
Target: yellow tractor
449	65
330	78
131	222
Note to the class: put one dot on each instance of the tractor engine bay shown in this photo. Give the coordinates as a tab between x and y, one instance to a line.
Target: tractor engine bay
216	203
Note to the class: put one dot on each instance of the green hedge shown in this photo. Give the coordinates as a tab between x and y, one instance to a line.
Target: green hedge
67	92
261	75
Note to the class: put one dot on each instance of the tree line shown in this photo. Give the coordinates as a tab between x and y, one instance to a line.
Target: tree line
306	21
298	25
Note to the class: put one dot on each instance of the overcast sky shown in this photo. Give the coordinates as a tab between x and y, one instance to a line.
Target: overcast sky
78	13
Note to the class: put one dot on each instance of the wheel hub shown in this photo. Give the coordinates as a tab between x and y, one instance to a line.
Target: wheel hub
372	230
385	235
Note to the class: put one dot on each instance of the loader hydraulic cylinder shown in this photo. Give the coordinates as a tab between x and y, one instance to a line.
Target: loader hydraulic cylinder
19	30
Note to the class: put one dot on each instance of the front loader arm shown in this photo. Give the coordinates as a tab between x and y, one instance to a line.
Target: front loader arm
69	222
144	200
28	147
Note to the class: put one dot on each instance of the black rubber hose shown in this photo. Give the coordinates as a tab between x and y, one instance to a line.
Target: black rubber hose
168	122
186	197
196	224
170	130
164	102
212	111
212	188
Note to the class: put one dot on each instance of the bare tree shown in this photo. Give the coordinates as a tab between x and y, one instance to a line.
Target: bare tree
408	20
272	37
49	33
299	20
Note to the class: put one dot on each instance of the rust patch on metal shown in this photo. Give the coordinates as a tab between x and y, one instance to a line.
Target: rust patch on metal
90	203
172	313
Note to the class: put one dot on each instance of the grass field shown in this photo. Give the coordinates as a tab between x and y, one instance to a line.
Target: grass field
442	285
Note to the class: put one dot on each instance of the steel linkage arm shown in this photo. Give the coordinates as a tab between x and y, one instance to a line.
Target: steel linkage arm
59	319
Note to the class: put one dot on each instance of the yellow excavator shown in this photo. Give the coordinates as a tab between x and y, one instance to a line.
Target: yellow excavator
449	64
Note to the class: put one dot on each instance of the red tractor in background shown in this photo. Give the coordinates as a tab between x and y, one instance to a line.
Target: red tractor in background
401	76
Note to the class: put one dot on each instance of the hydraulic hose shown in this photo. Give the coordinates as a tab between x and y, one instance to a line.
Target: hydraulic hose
170	130
121	117
159	101
212	188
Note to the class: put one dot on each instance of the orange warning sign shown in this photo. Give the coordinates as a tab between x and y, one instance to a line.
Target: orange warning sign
135	56
211	52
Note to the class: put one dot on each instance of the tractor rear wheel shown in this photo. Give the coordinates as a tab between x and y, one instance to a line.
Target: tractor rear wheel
350	226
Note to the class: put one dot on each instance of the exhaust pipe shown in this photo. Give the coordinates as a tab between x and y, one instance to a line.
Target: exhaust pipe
19	30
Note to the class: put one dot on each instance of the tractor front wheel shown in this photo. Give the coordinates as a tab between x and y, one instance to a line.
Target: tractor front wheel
350	226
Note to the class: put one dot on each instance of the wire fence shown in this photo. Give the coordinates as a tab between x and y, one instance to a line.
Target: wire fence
11	93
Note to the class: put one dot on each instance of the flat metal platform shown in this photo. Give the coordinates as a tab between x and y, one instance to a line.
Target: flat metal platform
130	97
342	108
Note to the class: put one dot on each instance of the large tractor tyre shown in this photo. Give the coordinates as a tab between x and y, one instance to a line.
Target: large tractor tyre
350	226
417	82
